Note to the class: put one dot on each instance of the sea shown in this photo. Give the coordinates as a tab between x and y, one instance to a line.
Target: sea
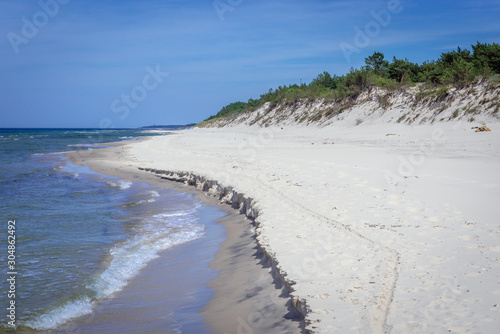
71	238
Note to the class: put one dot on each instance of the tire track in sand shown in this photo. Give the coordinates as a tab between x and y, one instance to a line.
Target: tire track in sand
378	319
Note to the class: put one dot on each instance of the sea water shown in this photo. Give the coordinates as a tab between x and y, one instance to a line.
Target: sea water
80	236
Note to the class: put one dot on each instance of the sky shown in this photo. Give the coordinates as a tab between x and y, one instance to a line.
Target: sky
119	64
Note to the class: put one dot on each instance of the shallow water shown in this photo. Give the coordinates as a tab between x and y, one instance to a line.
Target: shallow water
80	236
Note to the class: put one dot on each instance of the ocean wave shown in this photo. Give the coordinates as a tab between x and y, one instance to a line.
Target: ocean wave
62	314
120	184
89	146
90	131
175	214
130	257
51	153
154	195
68	170
152	198
158	233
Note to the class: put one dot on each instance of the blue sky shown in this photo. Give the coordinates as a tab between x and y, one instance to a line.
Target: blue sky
105	63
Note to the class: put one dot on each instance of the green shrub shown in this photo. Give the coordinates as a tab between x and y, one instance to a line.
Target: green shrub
441	93
457	68
443	108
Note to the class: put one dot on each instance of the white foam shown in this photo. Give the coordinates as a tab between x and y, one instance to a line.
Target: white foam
132	255
120	184
62	314
52	153
160	232
154	195
89	146
174	214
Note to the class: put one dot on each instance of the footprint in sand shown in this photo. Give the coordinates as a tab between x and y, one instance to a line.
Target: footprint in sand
319	311
394	199
468	237
495	249
435	219
413	209
342	175
322	296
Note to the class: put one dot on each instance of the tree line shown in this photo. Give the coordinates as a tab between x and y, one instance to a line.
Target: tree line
459	68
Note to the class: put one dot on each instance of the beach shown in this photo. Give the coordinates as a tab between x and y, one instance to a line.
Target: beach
374	228
250	167
81	236
246	296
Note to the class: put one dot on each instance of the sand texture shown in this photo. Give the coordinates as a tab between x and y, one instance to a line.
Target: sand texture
374	228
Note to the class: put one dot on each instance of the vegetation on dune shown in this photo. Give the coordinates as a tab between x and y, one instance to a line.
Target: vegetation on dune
458	68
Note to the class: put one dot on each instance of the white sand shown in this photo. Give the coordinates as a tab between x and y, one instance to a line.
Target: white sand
380	233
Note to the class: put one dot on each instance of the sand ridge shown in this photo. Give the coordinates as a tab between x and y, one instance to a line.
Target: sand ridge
248	293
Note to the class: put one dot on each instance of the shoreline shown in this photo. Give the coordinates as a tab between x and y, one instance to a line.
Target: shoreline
165	294
379	227
247	293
